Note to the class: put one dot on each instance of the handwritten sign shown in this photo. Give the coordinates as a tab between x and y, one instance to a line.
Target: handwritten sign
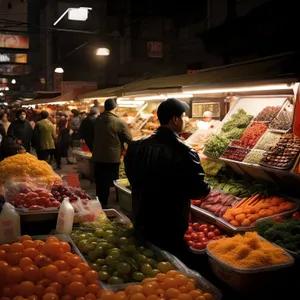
72	180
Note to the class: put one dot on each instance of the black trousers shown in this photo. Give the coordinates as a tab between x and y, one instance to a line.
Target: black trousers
105	174
43	154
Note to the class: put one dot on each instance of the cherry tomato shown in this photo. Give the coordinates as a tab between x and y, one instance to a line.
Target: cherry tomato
211	227
191	243
187	237
196	226
202	227
278	219
194	236
203	240
200	235
200	246
296	215
217	231
210	235
190	229
205	231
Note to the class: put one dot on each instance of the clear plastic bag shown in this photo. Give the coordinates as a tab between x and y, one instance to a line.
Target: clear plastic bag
29	195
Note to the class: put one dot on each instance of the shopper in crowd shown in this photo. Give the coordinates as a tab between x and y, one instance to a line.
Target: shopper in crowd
83	115
75	123
110	135
21	129
63	142
165	174
44	137
87	127
4	121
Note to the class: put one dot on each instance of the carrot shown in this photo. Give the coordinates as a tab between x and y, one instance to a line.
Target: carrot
240	202
253	199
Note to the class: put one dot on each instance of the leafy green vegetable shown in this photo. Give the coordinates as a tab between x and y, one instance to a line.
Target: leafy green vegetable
215	146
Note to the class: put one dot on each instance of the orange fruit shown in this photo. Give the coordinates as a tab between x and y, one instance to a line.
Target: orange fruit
77	289
26	288
57	286
33	297
90	296
208	296
39	290
78	278
184	297
13	258
91	276
138	296
5	247
44	282
181	279
108	295
170	283
32	273
16	248
3	268
61	265
14	275
195	293
50	296
18	298
24	238
200	298
161	277
52	239
67	297
172	293
42	260
64	277
150	288
51	272
83	267
50	289
93	289
2	255
29	244
183	289
52	249
24	262
75	271
152	297
31	253
172	274
134	289
73	260
121	295
65	246
191	286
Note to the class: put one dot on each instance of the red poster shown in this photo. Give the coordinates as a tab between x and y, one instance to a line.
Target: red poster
72	180
296	127
14	41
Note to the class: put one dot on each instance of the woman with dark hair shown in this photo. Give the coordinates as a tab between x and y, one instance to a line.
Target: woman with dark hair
4	121
21	129
75	127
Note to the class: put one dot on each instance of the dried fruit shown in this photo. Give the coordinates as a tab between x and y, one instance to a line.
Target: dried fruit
268	114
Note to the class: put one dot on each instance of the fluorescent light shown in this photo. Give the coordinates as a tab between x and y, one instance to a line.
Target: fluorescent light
59	70
75	14
130	102
79	14
103	52
14	81
164	97
242	89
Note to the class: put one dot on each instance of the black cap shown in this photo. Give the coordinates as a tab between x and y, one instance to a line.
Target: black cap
110	104
171	108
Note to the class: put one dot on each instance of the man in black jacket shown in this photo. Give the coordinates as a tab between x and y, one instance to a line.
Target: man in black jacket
165	174
87	127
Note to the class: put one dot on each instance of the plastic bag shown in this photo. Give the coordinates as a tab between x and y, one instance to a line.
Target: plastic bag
26	194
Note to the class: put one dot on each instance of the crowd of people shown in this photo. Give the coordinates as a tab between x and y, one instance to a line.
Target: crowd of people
49	135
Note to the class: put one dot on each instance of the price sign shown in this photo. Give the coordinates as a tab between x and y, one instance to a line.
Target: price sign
72	180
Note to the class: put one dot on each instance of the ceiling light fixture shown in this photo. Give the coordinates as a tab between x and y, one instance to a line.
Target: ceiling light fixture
75	14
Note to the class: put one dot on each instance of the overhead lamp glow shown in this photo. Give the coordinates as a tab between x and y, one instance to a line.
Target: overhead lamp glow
59	70
103	52
164	97
14	81
124	102
75	14
7	88
242	89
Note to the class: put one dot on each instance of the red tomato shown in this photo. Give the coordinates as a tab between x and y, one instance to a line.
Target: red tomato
211	227
194	236
190	229
278	219
217	231
191	243
196	226
200	234
210	235
197	202
200	246
205	231
187	237
202	227
296	215
203	240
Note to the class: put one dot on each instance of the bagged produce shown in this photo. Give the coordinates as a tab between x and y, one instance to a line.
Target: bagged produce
65	218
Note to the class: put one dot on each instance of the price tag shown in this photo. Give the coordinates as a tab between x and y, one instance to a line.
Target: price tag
72	180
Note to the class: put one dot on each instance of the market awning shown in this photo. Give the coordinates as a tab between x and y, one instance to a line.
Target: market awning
104	93
70	96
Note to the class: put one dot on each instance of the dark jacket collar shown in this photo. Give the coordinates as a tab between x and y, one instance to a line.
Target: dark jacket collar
166	131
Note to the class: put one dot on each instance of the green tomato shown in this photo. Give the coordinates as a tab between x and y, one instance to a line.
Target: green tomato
123	268
99	233
95	267
146	269
154	272
148	253
104	268
115	280
111	238
100	262
100	251
164	267
138	276
103	275
92	255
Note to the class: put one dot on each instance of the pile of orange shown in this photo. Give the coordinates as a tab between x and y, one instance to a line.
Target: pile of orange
38	270
170	286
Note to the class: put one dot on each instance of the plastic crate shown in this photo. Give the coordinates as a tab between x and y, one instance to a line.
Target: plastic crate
124	195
